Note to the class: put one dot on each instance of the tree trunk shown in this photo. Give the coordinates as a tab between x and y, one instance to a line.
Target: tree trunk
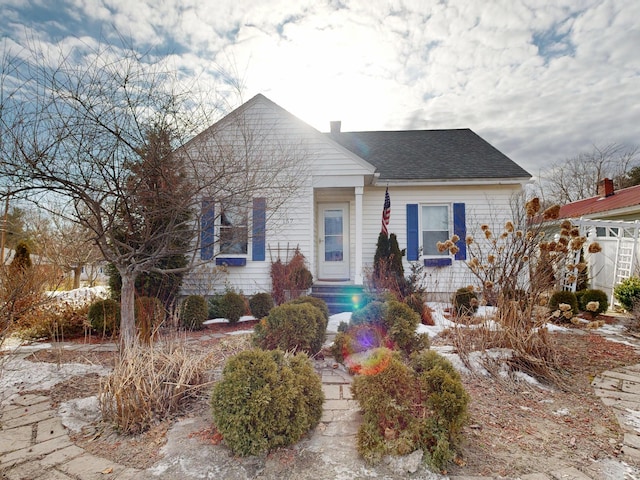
77	272
127	299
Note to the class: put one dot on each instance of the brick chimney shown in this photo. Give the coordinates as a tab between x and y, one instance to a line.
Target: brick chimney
335	126
605	187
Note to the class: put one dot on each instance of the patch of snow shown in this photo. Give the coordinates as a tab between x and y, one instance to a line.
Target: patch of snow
632	419
562	412
79	413
19	374
213	321
81	296
335	320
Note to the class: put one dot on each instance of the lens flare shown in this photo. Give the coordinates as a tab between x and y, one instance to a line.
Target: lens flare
367	351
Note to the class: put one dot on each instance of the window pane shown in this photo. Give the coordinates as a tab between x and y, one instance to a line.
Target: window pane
233	230
429	241
435	218
435	228
333	222
333	251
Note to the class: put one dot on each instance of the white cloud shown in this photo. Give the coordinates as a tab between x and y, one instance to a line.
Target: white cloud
540	79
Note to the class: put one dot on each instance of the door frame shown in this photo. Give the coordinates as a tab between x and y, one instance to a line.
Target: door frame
334	271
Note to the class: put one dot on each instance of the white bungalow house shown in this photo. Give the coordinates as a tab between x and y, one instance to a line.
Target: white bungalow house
440	182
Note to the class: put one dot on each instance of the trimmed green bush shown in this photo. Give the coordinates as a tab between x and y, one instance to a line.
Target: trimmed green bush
627	293
563	296
193	312
260	304
104	316
593	295
371	313
316	302
401	323
266	400
422	405
299	327
213	304
232	306
465	302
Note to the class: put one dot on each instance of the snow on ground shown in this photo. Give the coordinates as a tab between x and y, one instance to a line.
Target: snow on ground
81	296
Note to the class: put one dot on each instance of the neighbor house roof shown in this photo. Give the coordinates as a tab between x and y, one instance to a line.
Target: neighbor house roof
616	201
430	155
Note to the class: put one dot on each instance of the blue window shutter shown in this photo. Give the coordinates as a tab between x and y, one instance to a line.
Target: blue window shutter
207	232
412	231
460	229
258	238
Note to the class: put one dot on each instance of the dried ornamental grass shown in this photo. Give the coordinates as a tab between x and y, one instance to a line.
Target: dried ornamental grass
150	383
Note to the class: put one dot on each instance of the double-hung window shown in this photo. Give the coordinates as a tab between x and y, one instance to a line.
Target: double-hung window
435	227
233	230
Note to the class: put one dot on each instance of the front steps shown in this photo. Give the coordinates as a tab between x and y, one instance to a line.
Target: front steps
339	298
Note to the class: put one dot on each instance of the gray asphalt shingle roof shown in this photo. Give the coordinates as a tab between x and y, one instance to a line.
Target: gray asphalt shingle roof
430	155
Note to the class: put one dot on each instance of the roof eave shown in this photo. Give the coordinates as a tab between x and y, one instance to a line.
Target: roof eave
522	181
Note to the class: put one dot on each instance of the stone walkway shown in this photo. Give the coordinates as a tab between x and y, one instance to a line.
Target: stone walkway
35	445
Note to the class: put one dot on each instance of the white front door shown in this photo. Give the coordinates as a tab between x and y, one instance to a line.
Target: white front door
333	241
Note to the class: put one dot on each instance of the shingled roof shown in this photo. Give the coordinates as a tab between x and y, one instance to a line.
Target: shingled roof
430	155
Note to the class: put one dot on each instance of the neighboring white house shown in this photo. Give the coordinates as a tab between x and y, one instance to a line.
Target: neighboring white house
612	218
440	182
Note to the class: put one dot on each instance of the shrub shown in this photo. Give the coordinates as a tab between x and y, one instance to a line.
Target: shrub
266	400
55	322
316	302
371	313
292	327
193	312
391	324
150	314
592	295
422	405
104	316
213	304
149	384
563	296
465	302
260	304
401	323
627	293
416	302
232	306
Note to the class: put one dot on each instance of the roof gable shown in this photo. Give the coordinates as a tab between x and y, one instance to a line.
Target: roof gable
623	198
430	155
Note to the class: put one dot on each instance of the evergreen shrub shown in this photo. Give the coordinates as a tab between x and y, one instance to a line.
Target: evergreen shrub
627	293
563	296
260	304
594	295
104	316
465	302
232	306
420	405
299	327
266	400
193	312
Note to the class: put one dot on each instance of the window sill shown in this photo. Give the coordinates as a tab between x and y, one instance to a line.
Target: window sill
231	261
438	262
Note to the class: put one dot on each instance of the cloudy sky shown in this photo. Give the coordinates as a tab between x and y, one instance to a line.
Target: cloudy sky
542	80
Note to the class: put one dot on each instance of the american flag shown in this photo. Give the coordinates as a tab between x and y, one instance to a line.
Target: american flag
386	212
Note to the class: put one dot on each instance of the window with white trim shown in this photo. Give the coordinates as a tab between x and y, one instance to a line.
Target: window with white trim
435	225
233	230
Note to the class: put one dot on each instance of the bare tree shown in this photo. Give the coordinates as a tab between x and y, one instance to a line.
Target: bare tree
67	245
577	177
80	125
